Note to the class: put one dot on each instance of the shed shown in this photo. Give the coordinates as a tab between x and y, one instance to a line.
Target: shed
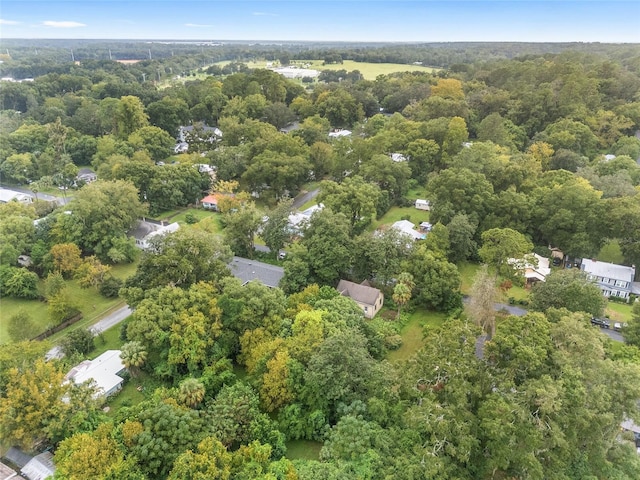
423	204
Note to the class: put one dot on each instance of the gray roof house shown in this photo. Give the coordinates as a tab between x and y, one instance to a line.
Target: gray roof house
368	298
614	280
39	467
247	270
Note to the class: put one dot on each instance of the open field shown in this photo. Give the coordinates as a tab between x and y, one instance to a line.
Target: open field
412	333
619	312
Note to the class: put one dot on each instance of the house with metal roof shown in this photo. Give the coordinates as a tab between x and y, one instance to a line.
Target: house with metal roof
368	298
103	371
614	280
247	270
11	196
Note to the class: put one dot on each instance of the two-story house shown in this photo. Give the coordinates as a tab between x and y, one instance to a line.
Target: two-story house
614	280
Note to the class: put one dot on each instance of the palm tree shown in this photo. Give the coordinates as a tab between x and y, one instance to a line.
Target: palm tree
401	295
134	356
191	392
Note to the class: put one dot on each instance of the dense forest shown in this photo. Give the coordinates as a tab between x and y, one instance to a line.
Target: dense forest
518	148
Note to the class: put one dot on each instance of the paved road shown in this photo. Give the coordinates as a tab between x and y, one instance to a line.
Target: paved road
41	196
105	323
304	198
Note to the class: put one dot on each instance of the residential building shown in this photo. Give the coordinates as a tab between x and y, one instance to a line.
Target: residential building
210	202
104	371
11	196
299	220
533	267
146	229
247	270
614	280
39	467
408	228
337	133
86	175
368	298
398	157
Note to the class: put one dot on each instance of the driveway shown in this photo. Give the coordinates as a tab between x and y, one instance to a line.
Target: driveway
100	326
303	198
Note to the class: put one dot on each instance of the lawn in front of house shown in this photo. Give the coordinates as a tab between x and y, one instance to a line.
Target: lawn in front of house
413	333
394	214
107	340
619	312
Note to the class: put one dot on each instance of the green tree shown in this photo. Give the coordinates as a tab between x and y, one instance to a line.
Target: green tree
631	331
570	289
501	244
240	228
21	327
19	283
211	461
329	248
437	280
481	307
181	259
191	392
129	116
157	142
134	356
276	231
401	296
79	341
356	198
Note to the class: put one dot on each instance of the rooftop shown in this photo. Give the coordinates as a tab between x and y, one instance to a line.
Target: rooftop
608	270
103	370
247	270
358	292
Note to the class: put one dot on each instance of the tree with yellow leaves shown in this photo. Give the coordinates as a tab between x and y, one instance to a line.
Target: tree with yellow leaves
275	391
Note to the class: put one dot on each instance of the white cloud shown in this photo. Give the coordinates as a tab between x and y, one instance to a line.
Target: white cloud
64	24
8	22
265	14
196	25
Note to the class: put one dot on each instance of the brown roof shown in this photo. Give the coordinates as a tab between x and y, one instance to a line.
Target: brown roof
359	293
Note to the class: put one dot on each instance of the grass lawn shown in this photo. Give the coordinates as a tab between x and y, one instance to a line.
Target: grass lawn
198	213
109	340
396	213
412	333
303	450
92	305
619	312
129	395
418	192
467	273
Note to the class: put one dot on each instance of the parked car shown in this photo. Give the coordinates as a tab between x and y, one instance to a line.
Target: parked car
618	326
557	261
600	322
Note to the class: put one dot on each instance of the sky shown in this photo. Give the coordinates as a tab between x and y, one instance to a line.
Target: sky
313	20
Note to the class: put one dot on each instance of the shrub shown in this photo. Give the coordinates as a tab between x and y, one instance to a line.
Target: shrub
21	327
110	287
18	283
190	218
79	341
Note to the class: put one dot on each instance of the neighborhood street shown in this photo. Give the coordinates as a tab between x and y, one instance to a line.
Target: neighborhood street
41	196
304	198
105	323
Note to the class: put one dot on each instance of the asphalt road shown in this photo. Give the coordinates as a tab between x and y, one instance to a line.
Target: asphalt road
41	196
105	323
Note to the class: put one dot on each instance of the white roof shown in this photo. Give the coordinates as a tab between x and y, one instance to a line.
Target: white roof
420	201
293	72
608	270
405	226
8	195
102	370
39	467
339	133
163	230
398	157
538	272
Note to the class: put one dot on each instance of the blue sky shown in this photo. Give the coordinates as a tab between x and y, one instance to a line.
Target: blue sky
345	20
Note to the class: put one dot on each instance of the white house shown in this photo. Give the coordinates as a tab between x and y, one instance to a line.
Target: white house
423	204
11	196
614	280
533	267
103	371
408	228
145	230
299	220
398	157
337	133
